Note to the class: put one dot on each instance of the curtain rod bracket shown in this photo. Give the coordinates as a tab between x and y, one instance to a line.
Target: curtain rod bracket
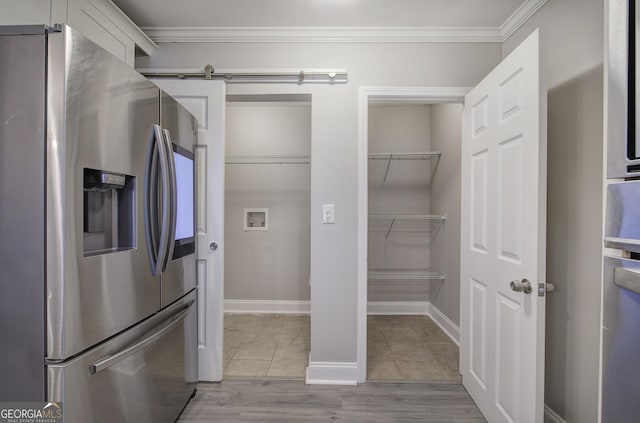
208	72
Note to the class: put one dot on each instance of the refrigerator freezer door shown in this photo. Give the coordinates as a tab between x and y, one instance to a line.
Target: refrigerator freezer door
146	374
99	116
179	276
22	205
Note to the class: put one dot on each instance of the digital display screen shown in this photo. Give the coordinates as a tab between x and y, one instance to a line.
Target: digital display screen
184	182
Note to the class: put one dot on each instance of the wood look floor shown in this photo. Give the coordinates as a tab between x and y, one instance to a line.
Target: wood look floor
265	357
238	400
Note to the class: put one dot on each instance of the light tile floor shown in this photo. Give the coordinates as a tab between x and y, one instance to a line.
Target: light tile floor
266	345
399	348
409	348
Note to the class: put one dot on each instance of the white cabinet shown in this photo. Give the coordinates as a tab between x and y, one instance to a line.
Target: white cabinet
93	23
99	20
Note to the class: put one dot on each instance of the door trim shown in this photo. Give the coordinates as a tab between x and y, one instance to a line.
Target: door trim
399	95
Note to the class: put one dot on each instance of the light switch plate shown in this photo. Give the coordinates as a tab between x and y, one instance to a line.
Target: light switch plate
328	213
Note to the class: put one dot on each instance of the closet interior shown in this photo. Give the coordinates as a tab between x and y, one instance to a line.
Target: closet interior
267	236
413	222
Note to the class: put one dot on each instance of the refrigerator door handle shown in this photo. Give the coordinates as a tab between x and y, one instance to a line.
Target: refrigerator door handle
151	198
110	360
157	151
173	194
627	278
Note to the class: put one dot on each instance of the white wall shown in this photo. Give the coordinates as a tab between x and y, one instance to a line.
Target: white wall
574	52
399	129
272	264
25	12
446	137
334	139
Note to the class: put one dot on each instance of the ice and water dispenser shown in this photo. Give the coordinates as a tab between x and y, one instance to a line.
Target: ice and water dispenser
109	212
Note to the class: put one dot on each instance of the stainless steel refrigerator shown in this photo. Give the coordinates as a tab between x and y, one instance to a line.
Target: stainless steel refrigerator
97	268
621	291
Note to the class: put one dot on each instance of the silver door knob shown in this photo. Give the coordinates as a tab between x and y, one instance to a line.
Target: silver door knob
213	246
521	286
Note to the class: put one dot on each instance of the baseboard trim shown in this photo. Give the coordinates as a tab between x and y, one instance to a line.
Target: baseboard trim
398	307
304	307
267	306
332	373
551	416
450	328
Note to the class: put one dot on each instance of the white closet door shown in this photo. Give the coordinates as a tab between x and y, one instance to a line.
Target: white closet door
503	239
206	100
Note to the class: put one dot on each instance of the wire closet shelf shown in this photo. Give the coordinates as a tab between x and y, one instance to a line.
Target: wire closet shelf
397	274
404	275
393	218
426	156
387	274
269	160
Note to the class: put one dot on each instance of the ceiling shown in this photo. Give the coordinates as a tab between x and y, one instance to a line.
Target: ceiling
319	13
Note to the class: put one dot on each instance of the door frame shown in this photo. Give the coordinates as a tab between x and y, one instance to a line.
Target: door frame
399	95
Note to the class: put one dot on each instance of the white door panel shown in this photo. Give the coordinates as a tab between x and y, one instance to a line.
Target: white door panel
503	238
206	101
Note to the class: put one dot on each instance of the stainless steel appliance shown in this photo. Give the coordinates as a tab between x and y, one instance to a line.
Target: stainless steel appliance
623	92
95	309
621	293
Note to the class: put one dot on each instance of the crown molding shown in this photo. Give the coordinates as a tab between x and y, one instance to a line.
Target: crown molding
519	17
324	35
347	34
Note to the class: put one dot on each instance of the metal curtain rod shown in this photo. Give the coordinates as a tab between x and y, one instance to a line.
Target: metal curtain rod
331	76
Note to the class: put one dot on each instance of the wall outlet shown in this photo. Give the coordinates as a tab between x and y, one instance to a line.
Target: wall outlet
328	213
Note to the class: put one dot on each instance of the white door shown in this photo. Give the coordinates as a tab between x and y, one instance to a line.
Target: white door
206	100
504	159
